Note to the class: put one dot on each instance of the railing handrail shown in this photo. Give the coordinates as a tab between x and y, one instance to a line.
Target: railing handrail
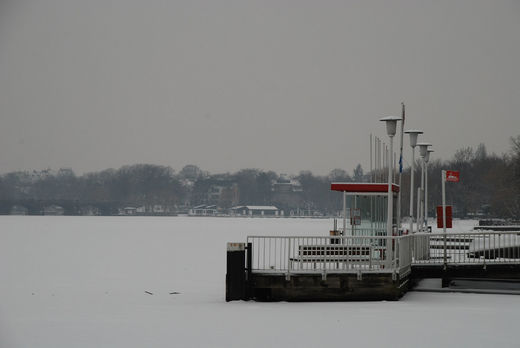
326	254
334	237
466	233
387	253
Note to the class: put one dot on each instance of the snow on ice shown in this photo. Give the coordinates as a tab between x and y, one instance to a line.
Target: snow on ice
159	282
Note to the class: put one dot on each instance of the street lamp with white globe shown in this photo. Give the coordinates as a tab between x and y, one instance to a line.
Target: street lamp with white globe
414	133
391	127
423	150
426	160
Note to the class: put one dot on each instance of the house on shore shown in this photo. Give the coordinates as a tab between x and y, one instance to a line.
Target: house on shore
129	211
89	210
18	210
255	210
203	210
53	210
287	193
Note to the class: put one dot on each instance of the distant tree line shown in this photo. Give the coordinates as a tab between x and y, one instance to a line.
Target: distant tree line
490	186
107	190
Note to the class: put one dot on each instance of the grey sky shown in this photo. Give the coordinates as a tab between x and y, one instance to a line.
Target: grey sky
281	85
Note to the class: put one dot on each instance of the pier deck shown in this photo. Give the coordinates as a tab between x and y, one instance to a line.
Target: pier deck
370	268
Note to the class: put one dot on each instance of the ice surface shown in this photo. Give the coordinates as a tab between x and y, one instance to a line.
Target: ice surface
82	282
459	226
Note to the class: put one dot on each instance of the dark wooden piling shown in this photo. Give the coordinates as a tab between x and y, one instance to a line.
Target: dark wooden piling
236	272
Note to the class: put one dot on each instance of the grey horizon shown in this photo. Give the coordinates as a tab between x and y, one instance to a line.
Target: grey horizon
283	86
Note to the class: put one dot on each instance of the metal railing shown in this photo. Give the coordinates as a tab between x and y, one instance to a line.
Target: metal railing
350	254
364	231
404	251
466	248
381	254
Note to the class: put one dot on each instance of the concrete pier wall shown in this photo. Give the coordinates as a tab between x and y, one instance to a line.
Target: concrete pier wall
335	287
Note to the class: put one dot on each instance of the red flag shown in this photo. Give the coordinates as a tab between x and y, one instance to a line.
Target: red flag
452	176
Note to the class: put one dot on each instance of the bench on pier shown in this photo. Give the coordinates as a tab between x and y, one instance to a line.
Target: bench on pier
333	253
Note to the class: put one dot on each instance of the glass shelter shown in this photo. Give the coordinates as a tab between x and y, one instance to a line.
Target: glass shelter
365	208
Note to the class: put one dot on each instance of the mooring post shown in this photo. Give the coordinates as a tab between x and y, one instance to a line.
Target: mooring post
236	272
249	269
445	282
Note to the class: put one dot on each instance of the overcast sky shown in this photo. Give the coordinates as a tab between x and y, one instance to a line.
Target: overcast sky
280	85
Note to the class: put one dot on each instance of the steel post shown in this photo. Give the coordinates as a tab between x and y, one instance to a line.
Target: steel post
443	180
389	217
421	213
426	195
412	189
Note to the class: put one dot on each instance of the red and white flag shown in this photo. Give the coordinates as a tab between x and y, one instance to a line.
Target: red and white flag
452	176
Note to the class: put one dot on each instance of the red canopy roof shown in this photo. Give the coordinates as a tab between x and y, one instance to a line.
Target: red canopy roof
362	187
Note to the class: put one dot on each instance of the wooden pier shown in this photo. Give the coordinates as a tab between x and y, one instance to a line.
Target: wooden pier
369	260
365	267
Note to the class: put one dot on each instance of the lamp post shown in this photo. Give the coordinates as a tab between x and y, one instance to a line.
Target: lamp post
391	127
426	160
423	150
414	133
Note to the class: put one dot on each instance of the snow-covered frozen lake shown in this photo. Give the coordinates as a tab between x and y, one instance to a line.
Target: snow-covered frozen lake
82	282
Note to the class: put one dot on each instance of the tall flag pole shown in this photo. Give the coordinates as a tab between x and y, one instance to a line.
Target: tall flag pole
450	176
400	169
